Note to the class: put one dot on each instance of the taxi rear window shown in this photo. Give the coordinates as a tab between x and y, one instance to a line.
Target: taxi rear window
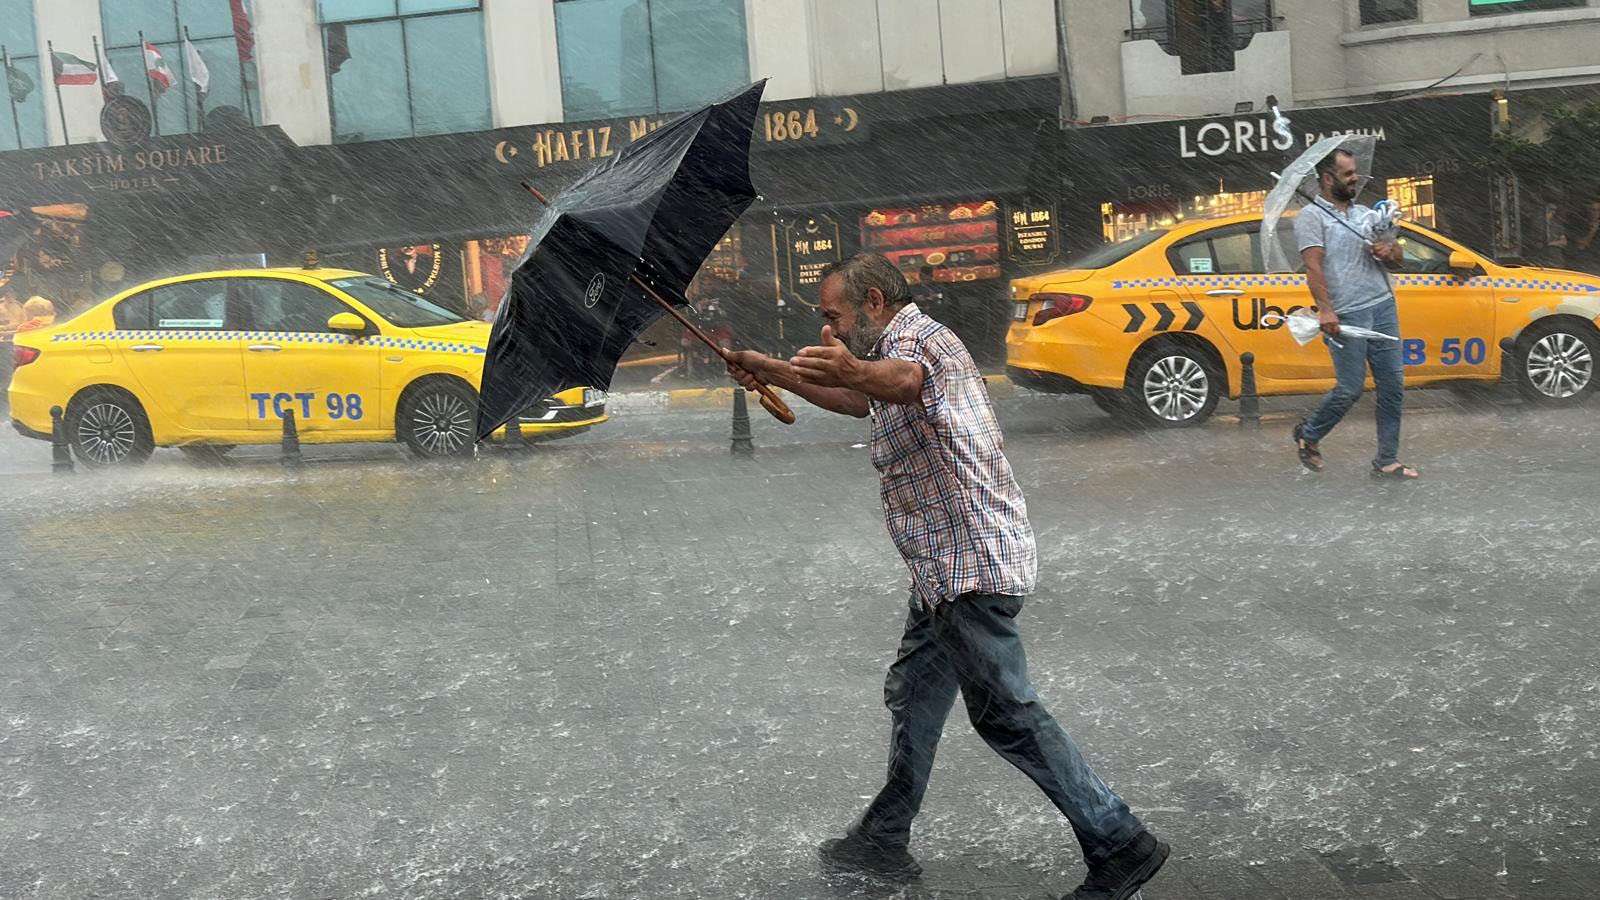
401	308
1111	254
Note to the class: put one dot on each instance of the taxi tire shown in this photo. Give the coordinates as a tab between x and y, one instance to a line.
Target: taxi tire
1558	334
435	393
113	407
1171	354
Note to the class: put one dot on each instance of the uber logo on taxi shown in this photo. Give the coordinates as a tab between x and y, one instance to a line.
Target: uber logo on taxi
1259	309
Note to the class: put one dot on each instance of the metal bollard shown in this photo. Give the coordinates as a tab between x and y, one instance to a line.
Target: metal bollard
742	444
291	441
60	451
1249	401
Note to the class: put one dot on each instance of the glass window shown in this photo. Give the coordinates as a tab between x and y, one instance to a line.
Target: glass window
190	305
700	51
210	28
400	77
1422	256
624	57
400	308
606	69
449	74
1492	7
274	304
132	314
1111	254
1415	197
25	81
1377	12
1221	252
369	88
353	10
348	10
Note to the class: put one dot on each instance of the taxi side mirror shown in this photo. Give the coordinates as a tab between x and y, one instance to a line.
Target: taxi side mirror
1462	261
347	322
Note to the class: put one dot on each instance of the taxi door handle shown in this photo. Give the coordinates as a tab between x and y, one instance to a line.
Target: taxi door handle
145	348
261	347
1225	292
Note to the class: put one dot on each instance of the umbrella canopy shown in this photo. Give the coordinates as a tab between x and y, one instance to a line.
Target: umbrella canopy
1297	185
1304	326
653	211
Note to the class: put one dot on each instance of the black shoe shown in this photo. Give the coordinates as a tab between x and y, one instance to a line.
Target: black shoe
1121	876
858	853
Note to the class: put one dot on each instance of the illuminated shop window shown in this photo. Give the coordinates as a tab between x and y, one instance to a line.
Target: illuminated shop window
1120	221
1415	196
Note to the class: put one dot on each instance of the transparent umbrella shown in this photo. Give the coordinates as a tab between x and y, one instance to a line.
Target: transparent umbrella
1304	327
1297	186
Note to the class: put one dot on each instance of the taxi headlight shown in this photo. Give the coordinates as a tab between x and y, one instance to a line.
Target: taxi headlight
593	397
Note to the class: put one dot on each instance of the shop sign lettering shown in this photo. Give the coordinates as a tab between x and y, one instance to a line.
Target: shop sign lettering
123	164
1244	136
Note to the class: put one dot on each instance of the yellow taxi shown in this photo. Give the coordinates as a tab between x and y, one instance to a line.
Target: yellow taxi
208	361
1154	327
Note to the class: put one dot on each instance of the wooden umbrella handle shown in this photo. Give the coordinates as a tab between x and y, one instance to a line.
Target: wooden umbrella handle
769	400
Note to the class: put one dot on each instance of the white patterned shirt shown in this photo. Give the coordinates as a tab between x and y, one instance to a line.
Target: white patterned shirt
950	501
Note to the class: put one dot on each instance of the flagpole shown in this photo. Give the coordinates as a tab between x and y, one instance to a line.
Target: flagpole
149	88
5	63
66	136
238	51
244	87
199	98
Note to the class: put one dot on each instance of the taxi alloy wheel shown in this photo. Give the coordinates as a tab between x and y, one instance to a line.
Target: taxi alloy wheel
1558	366
438	418
1172	387
107	428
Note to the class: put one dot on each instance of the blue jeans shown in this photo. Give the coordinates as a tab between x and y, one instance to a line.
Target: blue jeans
1350	364
971	644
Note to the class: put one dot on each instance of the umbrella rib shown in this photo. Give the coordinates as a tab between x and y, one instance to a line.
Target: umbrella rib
768	399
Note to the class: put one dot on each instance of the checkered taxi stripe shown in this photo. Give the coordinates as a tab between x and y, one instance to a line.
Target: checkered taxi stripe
1286	280
201	336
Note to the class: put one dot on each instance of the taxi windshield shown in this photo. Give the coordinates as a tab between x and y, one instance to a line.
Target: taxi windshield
400	308
1111	254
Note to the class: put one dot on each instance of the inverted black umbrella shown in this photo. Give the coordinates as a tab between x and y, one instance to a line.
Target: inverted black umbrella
612	254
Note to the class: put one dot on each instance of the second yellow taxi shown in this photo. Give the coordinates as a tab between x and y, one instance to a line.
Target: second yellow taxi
208	361
1155	327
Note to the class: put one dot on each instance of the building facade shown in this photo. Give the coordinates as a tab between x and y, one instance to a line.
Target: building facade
973	139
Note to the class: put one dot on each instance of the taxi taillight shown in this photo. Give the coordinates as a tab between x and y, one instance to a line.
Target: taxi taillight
1054	306
21	356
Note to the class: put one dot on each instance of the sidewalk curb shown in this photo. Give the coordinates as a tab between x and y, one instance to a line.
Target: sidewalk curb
722	397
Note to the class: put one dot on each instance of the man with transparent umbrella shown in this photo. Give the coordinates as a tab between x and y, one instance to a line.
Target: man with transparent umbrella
1346	258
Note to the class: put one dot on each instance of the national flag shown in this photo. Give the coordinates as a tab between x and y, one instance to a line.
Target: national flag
242	38
18	82
338	48
69	69
198	72
155	68
110	84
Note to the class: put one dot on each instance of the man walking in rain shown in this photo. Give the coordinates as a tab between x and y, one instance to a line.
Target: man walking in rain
957	516
1348	281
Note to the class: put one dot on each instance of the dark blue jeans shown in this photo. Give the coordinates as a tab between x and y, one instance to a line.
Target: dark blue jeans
1350	364
972	645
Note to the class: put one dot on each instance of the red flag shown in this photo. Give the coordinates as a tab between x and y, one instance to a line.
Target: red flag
241	31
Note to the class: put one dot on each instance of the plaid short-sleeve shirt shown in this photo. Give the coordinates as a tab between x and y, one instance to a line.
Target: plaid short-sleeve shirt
951	503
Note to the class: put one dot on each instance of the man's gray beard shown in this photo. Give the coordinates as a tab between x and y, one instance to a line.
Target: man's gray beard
862	340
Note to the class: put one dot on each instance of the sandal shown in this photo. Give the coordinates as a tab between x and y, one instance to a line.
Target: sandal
1400	471
1310	456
